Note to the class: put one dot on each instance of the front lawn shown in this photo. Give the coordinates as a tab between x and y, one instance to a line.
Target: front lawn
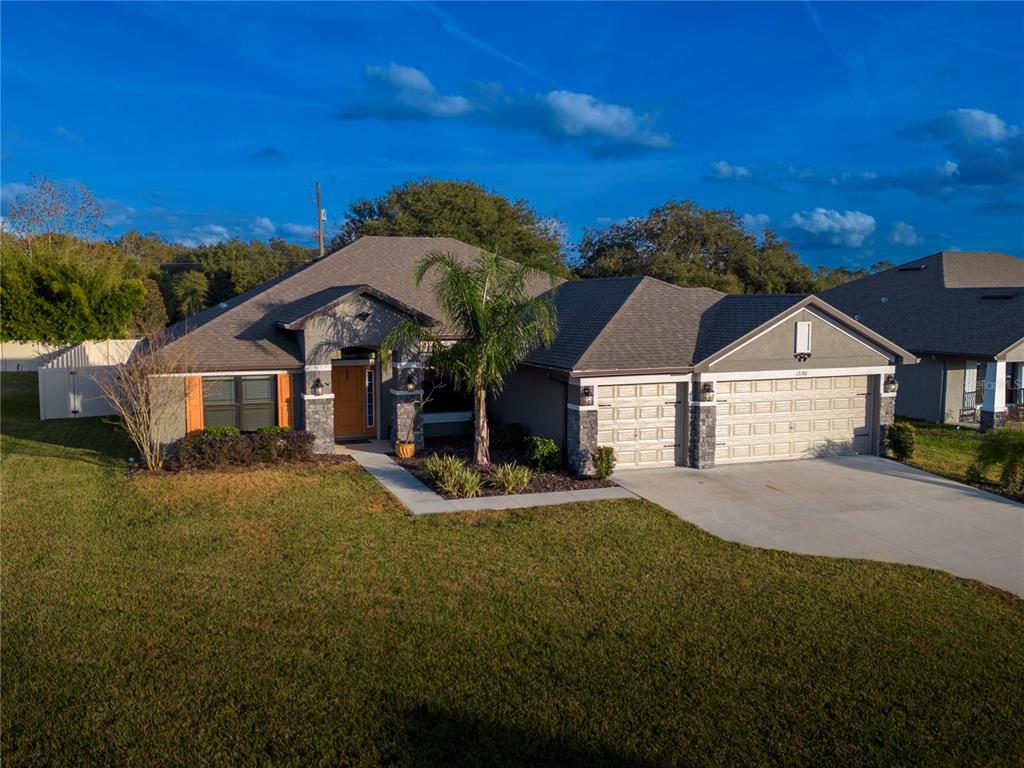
950	451
302	617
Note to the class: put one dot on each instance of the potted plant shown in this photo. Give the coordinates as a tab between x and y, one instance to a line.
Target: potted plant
405	445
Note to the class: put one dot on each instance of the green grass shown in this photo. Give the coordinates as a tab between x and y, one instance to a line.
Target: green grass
301	617
948	451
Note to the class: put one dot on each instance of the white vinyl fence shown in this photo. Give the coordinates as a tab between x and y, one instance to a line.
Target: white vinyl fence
27	355
67	384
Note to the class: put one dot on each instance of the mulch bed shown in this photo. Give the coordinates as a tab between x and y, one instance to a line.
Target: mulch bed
318	460
541	482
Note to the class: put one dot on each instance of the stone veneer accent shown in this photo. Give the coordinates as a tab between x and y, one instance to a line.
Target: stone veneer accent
886	416
581	441
992	420
319	411
405	406
703	420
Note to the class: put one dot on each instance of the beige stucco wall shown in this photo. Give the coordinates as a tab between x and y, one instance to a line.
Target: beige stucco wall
1016	355
169	416
773	350
329	331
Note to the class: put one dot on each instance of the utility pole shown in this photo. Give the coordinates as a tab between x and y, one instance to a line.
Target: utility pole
320	216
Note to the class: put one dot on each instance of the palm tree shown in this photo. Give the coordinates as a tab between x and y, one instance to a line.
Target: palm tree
487	306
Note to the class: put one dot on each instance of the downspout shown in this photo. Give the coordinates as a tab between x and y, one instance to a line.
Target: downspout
942	393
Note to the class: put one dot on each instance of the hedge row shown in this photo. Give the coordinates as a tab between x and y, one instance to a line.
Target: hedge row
212	451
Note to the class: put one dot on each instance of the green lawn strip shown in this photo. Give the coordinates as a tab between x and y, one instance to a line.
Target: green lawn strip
301	617
947	451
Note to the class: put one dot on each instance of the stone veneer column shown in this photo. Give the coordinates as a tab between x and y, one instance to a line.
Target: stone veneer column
405	405
581	438
319	409
886	414
703	423
993	404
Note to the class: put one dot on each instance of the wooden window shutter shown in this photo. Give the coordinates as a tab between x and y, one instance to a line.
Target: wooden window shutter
193	403
284	400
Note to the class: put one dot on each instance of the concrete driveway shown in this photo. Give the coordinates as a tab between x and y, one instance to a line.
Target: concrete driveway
855	506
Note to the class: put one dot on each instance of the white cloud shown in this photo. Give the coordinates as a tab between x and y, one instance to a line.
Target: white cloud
67	135
903	234
208	234
831	228
409	91
298	230
580	115
723	170
978	125
11	190
116	213
755	223
263	226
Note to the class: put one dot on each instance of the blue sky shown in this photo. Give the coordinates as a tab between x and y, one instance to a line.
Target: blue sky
858	131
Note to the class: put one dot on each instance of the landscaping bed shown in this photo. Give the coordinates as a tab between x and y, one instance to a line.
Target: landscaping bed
541	481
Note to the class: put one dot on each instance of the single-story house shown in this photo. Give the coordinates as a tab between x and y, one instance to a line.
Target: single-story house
666	375
962	313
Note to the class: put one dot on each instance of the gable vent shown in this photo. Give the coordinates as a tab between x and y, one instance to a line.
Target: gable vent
911	268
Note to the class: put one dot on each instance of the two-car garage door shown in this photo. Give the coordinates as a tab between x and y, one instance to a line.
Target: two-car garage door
798	418
757	420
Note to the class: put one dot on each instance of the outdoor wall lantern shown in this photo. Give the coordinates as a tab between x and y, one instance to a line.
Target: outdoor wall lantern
707	391
586	395
410	383
318	388
891	385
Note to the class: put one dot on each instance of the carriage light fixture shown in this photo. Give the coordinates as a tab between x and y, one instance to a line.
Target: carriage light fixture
410	383
707	391
891	385
586	395
318	388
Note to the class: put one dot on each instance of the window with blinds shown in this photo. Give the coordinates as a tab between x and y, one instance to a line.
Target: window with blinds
246	402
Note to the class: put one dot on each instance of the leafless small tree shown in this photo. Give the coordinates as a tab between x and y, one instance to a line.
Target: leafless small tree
147	395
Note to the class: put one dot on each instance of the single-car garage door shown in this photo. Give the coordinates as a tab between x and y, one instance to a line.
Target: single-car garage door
642	422
792	418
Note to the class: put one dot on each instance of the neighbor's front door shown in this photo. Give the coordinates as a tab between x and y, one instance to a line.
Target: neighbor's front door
353	397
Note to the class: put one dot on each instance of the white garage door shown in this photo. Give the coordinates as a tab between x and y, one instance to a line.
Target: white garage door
792	418
642	422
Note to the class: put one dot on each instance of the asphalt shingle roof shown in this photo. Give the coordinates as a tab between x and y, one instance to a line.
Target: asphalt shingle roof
243	333
736	315
962	303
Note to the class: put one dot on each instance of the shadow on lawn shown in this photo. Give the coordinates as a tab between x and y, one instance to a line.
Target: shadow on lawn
95	440
434	738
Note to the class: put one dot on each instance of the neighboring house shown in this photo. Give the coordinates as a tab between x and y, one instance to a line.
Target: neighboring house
666	375
962	313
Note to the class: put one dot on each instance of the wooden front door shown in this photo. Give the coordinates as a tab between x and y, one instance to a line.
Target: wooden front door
349	384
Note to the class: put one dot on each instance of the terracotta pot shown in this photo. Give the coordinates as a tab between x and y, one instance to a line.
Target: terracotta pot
405	450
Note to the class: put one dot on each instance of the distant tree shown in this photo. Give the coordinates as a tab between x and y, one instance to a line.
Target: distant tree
150	251
151	317
189	290
830	277
461	210
50	209
682	243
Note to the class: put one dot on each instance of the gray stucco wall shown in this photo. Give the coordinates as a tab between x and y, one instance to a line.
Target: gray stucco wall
535	400
954	392
920	393
328	332
830	348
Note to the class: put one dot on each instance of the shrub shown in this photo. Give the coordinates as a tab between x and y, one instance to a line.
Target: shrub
901	438
443	470
511	436
604	462
221	431
1006	447
511	478
273	430
201	450
455	478
543	452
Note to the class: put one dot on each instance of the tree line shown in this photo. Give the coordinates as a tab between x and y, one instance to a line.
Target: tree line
63	283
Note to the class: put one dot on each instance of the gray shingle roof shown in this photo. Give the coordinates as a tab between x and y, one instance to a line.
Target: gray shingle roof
962	303
734	316
243	334
625	324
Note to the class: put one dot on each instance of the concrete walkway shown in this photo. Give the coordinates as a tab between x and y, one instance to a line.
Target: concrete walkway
855	506
373	457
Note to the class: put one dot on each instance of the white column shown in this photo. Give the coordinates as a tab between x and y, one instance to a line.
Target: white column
994	400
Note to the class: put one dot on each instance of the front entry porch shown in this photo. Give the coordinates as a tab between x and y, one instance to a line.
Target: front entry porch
356	398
